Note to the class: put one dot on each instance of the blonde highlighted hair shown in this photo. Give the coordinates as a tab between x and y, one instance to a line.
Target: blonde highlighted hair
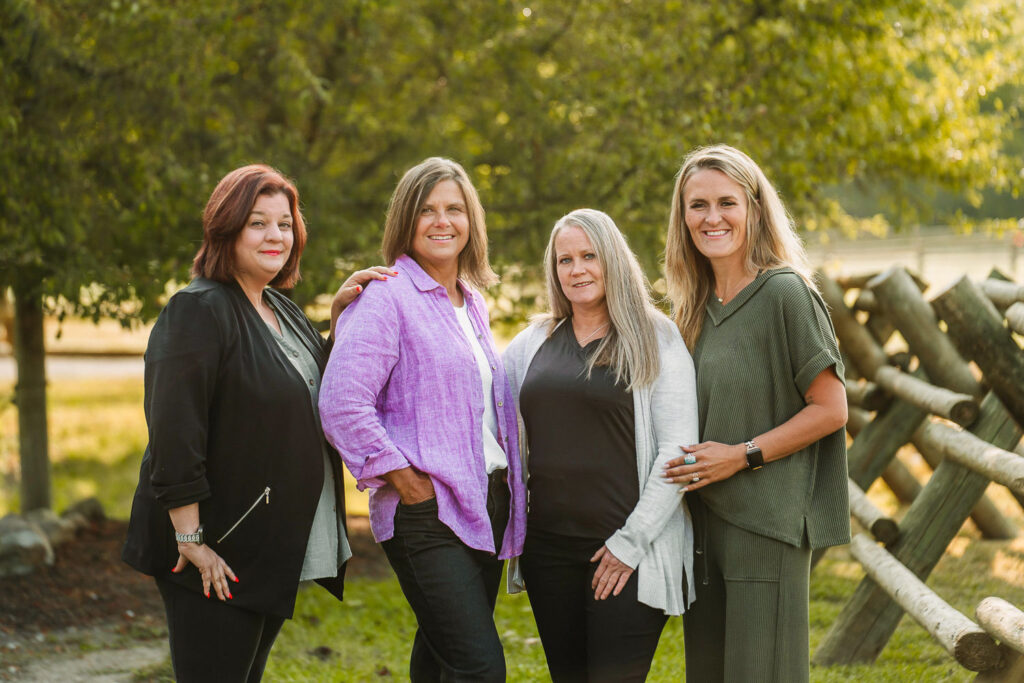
771	242
630	347
403	213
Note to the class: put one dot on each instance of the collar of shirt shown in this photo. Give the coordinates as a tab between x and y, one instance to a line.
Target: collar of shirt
423	282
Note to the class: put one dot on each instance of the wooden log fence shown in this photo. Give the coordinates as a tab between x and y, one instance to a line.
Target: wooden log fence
997	464
965	462
866	395
900	299
900	480
976	328
960	408
1002	293
1006	623
1015	317
989	520
882	527
969	644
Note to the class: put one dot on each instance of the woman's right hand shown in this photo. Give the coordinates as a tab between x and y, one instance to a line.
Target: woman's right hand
412	486
214	571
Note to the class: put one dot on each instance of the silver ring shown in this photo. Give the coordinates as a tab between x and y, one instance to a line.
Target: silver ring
690	459
695	478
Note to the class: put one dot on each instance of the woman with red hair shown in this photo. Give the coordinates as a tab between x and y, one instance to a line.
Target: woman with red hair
240	497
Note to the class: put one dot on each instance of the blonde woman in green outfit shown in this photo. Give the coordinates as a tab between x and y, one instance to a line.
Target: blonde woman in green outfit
767	483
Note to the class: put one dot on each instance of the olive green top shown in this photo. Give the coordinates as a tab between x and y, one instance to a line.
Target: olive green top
756	357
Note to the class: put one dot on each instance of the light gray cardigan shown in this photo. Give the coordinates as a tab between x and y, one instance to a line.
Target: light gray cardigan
657	539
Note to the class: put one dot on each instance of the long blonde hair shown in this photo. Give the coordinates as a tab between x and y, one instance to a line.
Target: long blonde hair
772	241
630	348
412	192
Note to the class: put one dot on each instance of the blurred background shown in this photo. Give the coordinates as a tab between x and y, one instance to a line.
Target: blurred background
893	129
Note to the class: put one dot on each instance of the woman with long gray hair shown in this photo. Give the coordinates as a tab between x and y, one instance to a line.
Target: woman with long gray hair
605	390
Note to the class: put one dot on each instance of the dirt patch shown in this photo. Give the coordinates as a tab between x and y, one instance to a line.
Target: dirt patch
90	601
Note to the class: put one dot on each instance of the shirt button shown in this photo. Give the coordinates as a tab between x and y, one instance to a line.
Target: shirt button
501	403
310	382
494	367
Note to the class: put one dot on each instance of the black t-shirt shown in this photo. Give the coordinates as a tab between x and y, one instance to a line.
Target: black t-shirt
583	478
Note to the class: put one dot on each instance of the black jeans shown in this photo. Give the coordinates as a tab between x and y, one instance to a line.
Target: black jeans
215	641
452	589
584	639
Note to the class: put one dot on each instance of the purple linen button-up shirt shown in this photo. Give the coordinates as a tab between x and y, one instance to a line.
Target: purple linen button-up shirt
402	388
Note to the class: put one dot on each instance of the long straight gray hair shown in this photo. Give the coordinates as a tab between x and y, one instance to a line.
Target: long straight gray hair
630	348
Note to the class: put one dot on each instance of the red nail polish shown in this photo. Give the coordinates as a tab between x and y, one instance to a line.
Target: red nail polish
359	288
236	579
174	569
206	594
229	595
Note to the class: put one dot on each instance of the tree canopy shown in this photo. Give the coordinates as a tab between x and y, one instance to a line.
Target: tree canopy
118	117
117	122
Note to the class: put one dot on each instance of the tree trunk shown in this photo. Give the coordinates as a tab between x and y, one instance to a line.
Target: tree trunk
30	397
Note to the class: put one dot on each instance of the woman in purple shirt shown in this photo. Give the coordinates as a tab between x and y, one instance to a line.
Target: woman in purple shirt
416	400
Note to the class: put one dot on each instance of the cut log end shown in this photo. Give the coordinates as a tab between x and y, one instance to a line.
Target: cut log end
977	651
885	530
964	413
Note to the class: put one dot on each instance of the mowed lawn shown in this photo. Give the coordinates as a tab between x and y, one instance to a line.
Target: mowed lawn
97	436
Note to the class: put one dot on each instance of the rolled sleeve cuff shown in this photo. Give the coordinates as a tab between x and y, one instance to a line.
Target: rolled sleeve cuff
178	495
812	368
626	552
371	475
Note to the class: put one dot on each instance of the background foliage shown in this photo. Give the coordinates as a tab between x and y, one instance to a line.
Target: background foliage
117	118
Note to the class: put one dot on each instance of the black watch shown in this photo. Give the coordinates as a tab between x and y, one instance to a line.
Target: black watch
755	460
196	537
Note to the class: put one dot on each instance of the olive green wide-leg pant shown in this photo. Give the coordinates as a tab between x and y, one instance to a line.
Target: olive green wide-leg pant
749	623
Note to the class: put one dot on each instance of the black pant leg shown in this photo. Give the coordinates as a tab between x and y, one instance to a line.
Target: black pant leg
451	589
555	584
271	627
622	634
215	642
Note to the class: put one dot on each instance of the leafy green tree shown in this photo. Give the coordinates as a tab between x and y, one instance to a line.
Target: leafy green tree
87	184
117	118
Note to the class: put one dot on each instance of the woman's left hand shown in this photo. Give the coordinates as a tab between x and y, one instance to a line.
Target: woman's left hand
710	461
611	575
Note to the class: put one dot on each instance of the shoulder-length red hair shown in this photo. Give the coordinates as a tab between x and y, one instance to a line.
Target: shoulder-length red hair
226	214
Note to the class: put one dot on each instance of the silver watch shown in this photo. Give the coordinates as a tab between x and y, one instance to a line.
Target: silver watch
196	537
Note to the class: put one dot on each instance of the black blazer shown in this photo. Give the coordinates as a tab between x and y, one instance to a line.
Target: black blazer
228	417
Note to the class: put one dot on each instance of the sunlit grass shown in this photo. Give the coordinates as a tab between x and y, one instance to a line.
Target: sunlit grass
368	637
97	434
97	437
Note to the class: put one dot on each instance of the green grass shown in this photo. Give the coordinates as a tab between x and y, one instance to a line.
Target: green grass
97	436
369	635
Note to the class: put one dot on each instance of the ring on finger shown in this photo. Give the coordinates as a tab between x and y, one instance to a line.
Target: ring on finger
695	478
690	459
